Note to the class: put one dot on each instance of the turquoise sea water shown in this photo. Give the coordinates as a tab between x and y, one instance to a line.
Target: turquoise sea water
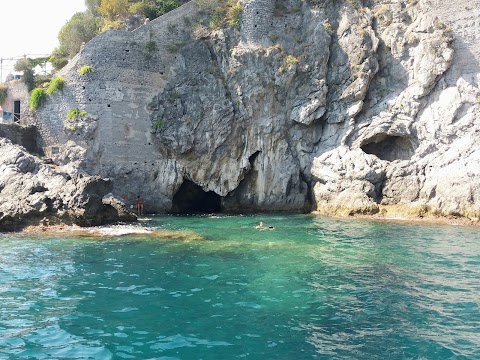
313	288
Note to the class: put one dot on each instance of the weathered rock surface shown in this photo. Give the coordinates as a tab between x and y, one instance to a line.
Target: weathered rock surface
336	106
31	190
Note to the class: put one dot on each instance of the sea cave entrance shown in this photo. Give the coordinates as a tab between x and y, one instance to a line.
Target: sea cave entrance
389	148
191	198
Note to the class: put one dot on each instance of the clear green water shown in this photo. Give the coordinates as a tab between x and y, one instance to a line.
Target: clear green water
313	288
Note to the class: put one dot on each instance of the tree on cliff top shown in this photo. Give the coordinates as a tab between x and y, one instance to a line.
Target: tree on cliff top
102	15
81	28
113	9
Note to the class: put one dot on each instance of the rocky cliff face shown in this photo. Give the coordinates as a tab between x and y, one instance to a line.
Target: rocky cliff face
32	191
335	106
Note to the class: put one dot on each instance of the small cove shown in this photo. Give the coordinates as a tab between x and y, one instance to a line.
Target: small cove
313	288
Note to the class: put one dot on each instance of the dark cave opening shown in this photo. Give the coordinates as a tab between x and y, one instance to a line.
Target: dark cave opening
253	157
191	198
389	148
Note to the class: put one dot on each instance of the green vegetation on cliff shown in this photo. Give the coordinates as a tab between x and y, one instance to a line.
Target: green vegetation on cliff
222	12
56	85
37	98
85	70
75	113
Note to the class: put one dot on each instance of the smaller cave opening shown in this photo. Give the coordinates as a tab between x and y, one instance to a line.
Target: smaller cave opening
389	148
253	157
192	199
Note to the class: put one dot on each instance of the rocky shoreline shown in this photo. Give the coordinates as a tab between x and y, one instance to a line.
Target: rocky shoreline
39	197
34	191
137	229
405	218
345	108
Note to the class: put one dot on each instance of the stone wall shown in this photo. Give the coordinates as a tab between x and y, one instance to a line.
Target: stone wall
257	20
127	76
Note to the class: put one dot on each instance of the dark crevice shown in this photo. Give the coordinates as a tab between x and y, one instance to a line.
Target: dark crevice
253	157
379	186
309	197
191	198
38	189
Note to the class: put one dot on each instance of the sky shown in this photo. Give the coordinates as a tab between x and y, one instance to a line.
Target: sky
31	26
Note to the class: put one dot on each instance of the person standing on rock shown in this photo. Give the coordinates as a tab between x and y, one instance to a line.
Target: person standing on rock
139	205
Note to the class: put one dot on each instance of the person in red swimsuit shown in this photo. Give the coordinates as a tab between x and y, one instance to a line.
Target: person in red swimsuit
139	205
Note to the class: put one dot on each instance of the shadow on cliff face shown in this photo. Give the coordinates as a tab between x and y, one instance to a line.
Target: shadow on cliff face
191	198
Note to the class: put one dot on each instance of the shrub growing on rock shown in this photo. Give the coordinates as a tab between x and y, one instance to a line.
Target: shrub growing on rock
85	70
75	113
37	98
222	12
56	85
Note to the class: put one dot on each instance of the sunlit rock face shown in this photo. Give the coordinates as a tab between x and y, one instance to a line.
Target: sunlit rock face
309	105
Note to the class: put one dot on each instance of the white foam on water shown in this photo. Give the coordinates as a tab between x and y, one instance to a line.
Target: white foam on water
119	230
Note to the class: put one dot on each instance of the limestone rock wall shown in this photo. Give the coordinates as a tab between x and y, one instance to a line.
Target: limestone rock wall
312	105
462	17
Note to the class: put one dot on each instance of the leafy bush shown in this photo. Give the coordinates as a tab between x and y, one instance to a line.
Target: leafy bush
156	8
136	8
75	113
234	15
58	58
116	24
81	28
85	70
37	98
3	93
289	61
112	9
55	85
222	12
216	20
328	27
